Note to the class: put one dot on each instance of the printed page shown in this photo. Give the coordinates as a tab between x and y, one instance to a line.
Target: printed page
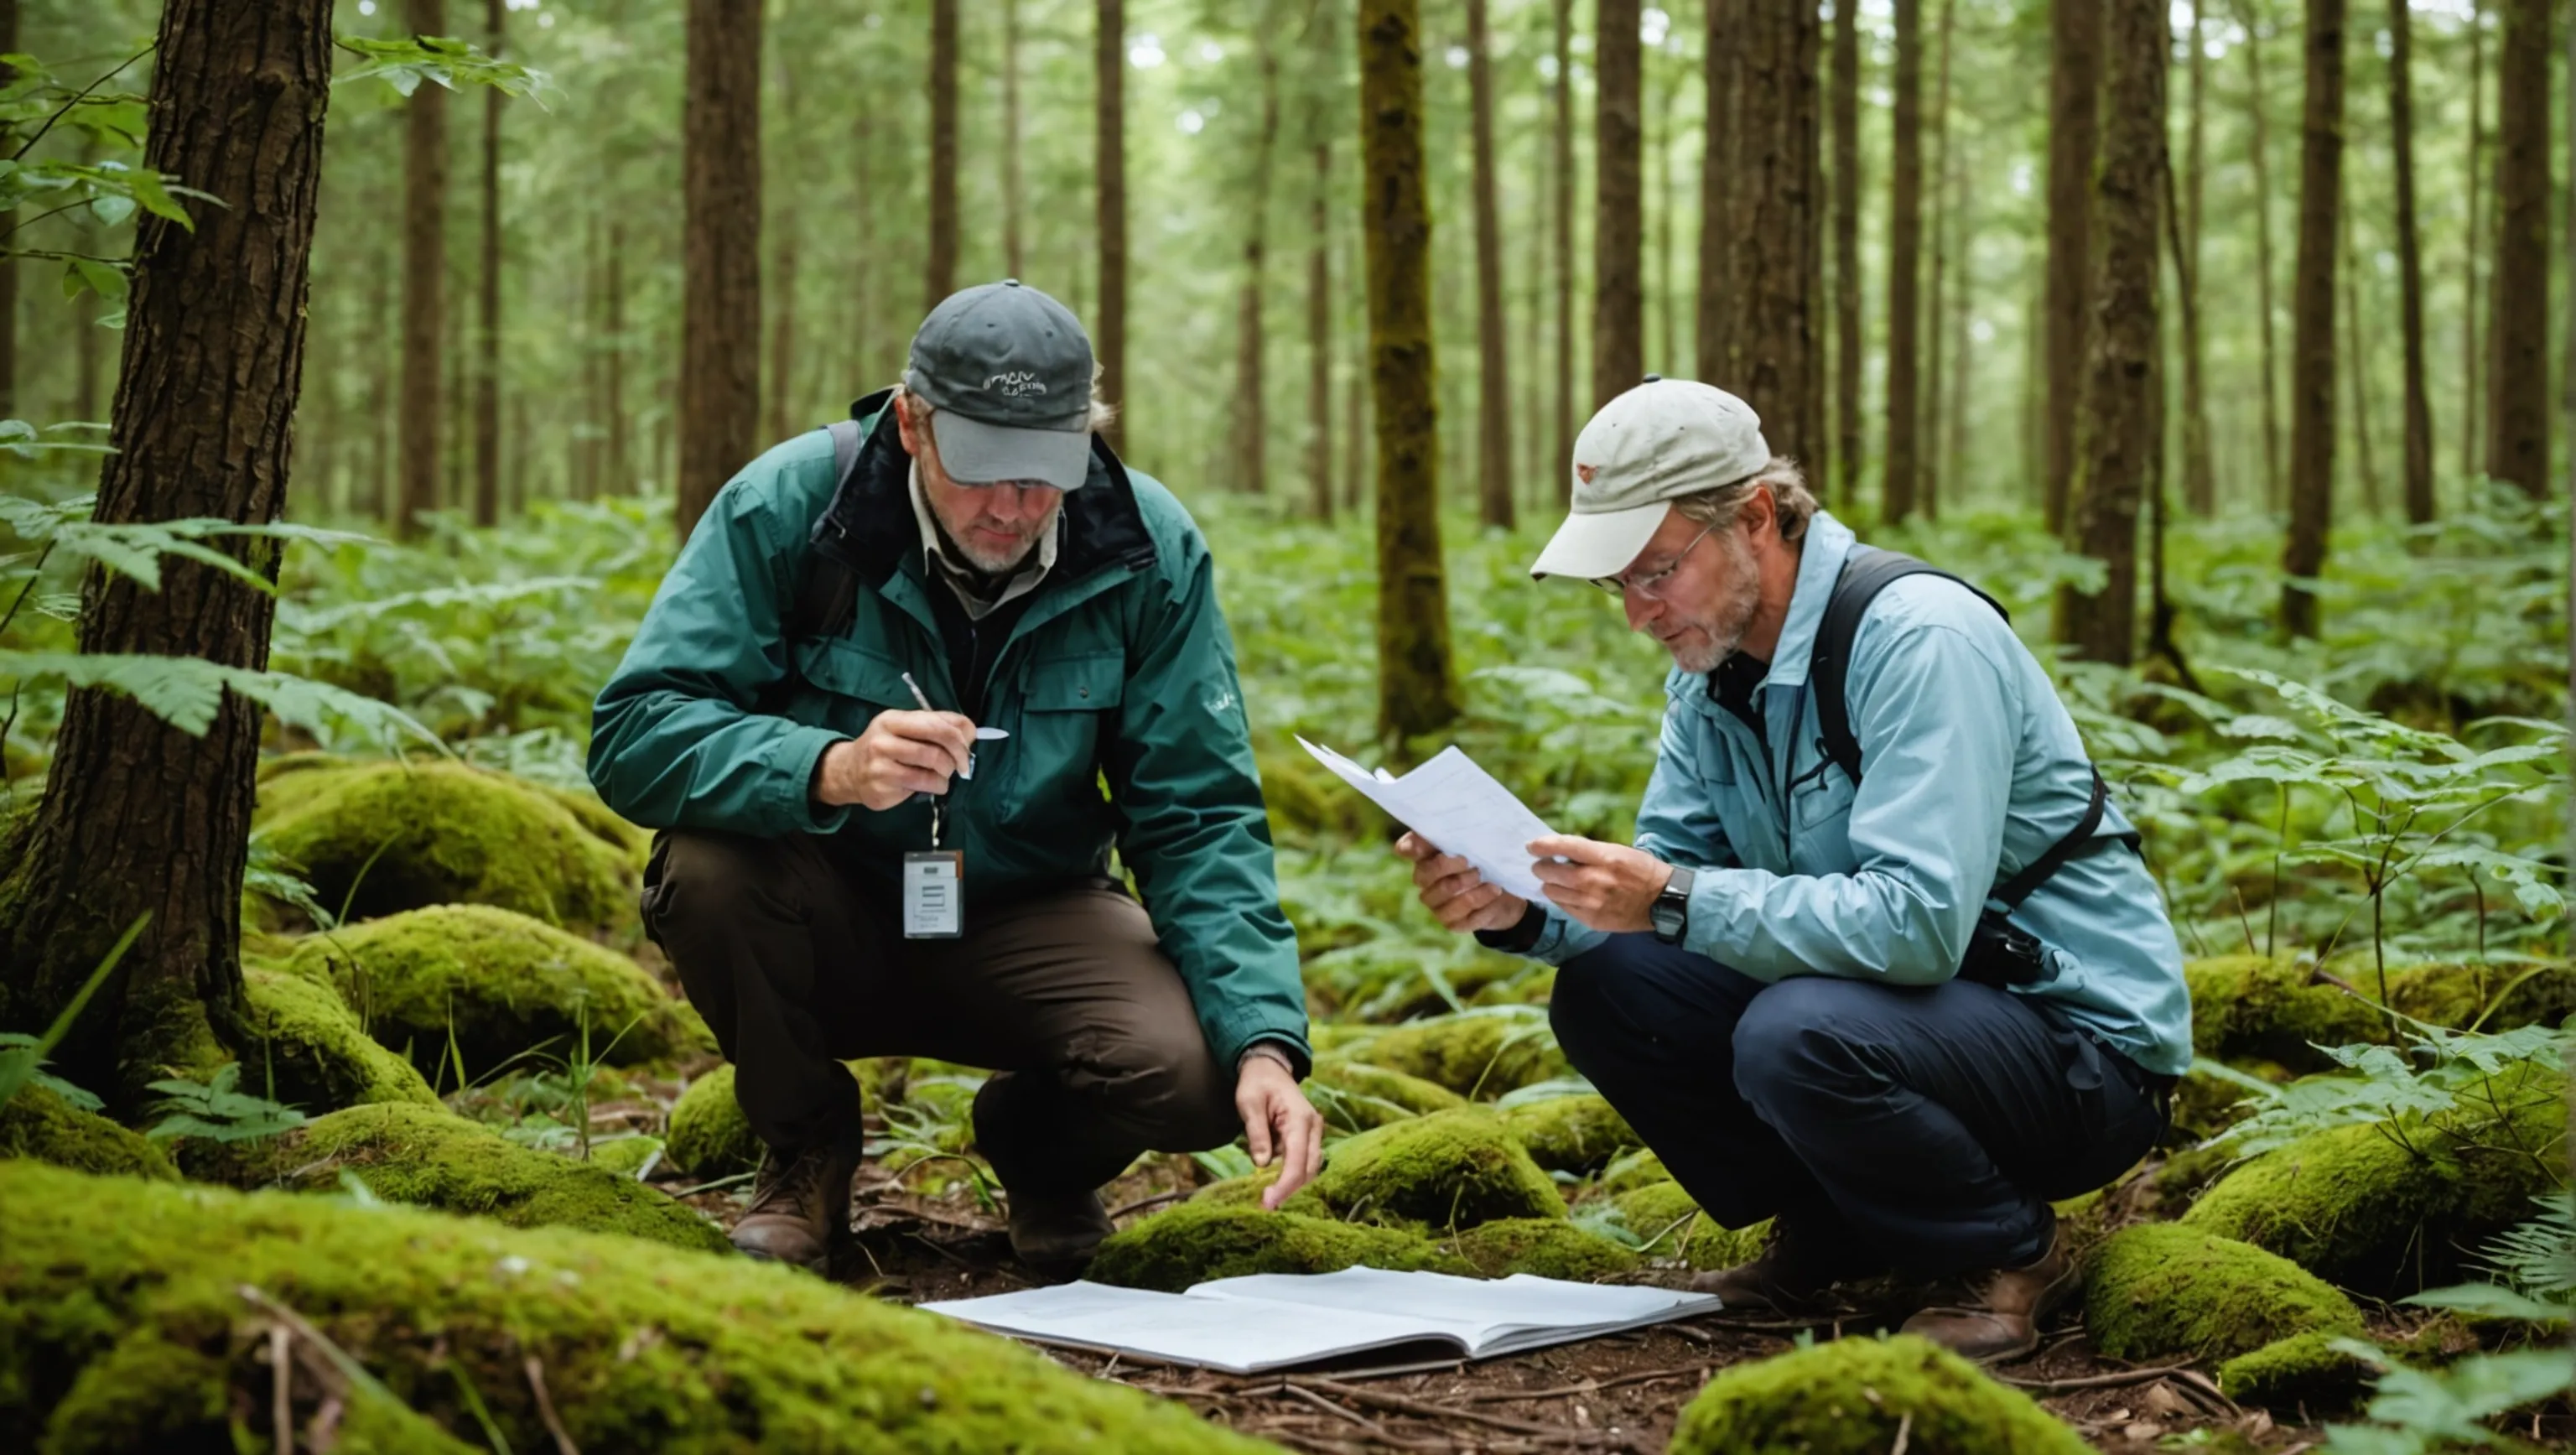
1457	805
1239	1336
1488	1315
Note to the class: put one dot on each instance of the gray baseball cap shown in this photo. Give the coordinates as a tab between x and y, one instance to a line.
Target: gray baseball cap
1008	371
1664	439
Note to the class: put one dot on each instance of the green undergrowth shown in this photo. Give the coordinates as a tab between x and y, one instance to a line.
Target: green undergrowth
1477	1053
1866	1396
314	1052
135	1289
2158	1290
1667	1223
2303	1371
1576	1134
41	1125
494	983
1195	1242
1544	1247
1449	1170
1354	1096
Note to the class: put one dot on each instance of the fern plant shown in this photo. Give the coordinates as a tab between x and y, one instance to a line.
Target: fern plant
219	1110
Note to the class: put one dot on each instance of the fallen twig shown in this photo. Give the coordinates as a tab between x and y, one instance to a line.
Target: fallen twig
1904	1433
1375	1430
2114	1380
281	1386
1589	1386
546	1406
1427	1409
1157	1200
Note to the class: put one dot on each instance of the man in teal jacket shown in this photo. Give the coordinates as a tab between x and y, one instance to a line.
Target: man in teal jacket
1791	985
890	721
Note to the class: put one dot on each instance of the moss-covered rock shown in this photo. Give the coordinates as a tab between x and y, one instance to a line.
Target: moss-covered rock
2490	997
1355	1096
626	1156
1545	1248
1196	1242
430	1157
1479	1054
1449	1170
316	1052
2302	1371
708	1135
446	833
1673	1225
36	1123
1710	1245
1577	1134
641	1347
500	983
1850	1397
2387	1208
2253	1006
2158	1290
1244	1191
1632	1170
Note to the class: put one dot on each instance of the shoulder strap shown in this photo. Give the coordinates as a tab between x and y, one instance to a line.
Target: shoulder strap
829	592
1866	572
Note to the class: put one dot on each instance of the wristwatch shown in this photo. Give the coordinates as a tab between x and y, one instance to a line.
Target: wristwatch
1671	912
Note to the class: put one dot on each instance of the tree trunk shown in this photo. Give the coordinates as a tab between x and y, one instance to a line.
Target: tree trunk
487	364
1251	424
1319	333
1535	470
1963	373
940	277
1109	169
8	224
139	817
1775	343
2119	432
2199	472
1904	250
865	269
719	370
612	345
2074	129
424	281
2473	430
1618	232
1359	432
1012	202
2187	293
1667	357
2260	143
2518	307
1563	211
2312	307
1417	691
2410	268
1849	436
1717	210
1493	384
2355	354
587	454
383	323
778	394
1927	470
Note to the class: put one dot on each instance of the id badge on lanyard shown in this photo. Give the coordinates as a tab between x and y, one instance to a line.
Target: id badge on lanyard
934	886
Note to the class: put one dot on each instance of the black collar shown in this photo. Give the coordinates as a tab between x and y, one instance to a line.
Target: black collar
870	523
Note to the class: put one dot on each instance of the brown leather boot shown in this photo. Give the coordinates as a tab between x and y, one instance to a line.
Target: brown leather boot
1786	1278
2001	1315
1055	1234
800	1205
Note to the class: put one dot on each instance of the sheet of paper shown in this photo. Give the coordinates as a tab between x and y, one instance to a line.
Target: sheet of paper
1479	1309
1240	1336
1458	806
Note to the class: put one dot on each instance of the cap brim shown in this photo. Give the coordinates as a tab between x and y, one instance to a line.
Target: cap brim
976	453
1600	544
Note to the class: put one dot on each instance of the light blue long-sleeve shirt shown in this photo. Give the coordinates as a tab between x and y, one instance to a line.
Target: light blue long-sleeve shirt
1971	768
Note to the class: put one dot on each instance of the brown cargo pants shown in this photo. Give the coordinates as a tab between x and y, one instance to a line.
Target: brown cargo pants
1066	997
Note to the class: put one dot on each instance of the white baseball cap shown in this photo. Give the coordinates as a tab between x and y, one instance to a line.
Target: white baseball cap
1664	439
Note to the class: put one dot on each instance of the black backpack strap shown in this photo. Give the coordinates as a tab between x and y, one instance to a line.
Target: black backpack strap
1867	571
829	593
2079	841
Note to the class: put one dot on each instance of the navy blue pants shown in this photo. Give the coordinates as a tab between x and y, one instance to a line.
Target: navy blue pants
1917	1130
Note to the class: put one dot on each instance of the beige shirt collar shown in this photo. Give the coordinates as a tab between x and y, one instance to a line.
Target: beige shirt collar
960	576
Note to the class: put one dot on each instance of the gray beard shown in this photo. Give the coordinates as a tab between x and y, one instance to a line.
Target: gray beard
1724	627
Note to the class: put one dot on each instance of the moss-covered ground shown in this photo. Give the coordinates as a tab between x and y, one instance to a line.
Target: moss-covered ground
1853	1396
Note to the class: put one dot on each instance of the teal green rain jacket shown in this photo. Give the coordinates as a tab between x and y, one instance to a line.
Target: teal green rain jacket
1971	768
1120	671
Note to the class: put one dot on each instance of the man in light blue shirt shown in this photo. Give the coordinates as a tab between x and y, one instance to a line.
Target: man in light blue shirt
1829	1002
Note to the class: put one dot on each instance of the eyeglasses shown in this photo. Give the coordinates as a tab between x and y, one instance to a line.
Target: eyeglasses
1650	585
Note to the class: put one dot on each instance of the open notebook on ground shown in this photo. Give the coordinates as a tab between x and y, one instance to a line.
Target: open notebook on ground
1281	1320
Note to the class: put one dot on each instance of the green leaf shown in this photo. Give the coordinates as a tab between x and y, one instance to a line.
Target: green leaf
2491	1301
105	279
156	200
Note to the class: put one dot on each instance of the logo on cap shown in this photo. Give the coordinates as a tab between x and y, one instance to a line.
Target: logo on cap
1017	384
1586	472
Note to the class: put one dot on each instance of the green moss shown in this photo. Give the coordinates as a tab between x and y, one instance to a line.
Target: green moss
448	834
1196	1242
1661	1214
1355	1096
1709	1245
2386	1208
1242	1191
500	983
2301	1371
642	1347
2205	1105
2158	1290
1570	1133
2506	995
314	1049
430	1157
1632	1170
38	1124
1852	1396
1473	1053
625	1156
1452	1169
709	1136
2274	1010
1544	1247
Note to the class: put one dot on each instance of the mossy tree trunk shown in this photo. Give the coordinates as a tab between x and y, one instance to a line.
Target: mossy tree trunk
2518	307
719	383
1619	200
2074	132
1417	690
1493	377
2312	318
139	817
1775	346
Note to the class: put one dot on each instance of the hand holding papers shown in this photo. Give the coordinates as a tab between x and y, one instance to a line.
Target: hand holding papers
1458	806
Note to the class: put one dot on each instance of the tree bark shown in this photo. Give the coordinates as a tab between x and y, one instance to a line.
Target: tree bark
1319	333
1012	201
2410	267
1618	230
2199	471
2120	432
719	369
1775	362
1962	372
2356	353
612	345
1927	452
1417	690
1563	212
2074	130
487	369
138	817
1667	353
8	223
2312	308
1717	211
1849	428
2518	307
1493	382
1251	424
424	281
940	278
2473	430
1904	251
778	393
2259	141
1109	168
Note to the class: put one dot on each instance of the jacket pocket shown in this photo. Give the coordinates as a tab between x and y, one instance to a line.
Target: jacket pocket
1055	755
844	686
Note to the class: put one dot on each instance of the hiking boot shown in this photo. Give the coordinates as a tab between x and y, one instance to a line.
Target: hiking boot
800	1205
1055	1234
1787	1278
2001	1314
